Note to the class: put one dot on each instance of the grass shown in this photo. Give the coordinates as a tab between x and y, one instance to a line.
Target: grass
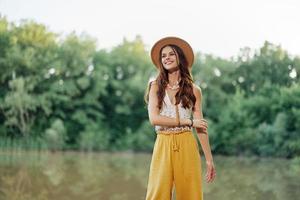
20	144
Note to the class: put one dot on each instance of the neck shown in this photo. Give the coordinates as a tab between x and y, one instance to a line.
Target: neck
173	76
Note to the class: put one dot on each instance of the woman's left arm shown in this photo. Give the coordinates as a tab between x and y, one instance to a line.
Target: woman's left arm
202	134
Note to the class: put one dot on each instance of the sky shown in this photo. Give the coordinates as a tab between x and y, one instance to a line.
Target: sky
215	27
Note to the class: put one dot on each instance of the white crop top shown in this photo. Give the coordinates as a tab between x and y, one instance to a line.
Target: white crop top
168	110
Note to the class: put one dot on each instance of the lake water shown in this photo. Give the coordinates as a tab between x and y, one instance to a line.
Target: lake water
123	176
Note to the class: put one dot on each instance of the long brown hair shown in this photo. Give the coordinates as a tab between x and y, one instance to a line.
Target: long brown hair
185	94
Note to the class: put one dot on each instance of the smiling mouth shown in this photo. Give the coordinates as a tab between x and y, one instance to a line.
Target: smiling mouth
168	63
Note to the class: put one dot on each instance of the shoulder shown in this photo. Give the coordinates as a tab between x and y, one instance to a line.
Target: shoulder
153	82
153	86
197	91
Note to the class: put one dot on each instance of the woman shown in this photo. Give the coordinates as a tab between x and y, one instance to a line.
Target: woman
174	108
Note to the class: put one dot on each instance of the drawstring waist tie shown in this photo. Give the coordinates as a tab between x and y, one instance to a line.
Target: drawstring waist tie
175	146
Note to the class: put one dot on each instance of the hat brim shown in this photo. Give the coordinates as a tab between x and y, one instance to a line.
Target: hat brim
186	48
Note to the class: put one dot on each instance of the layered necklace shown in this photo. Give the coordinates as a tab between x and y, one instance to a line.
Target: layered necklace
173	87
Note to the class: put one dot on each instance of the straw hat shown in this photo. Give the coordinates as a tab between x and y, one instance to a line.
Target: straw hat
186	48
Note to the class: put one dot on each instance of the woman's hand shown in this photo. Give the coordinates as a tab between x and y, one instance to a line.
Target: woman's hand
201	124
210	172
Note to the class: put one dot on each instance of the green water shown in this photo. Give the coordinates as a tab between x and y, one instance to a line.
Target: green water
123	176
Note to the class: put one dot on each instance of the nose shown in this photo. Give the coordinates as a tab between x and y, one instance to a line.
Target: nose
167	57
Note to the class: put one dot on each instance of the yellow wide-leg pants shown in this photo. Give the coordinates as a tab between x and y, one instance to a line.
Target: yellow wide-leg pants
175	161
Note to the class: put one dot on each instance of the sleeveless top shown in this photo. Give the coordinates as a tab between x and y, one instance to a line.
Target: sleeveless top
168	109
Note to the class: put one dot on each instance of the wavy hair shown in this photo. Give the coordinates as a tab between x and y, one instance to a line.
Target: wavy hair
185	94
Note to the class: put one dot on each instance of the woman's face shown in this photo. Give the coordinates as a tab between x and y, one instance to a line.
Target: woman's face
169	58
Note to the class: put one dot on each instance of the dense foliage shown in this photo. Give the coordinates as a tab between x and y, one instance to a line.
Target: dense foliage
65	93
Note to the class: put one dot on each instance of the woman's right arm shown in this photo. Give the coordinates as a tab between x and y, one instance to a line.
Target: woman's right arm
155	118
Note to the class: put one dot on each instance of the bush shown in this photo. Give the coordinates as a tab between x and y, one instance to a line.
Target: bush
55	136
94	138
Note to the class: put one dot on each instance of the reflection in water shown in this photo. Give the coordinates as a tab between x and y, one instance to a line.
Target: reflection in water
241	178
123	176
